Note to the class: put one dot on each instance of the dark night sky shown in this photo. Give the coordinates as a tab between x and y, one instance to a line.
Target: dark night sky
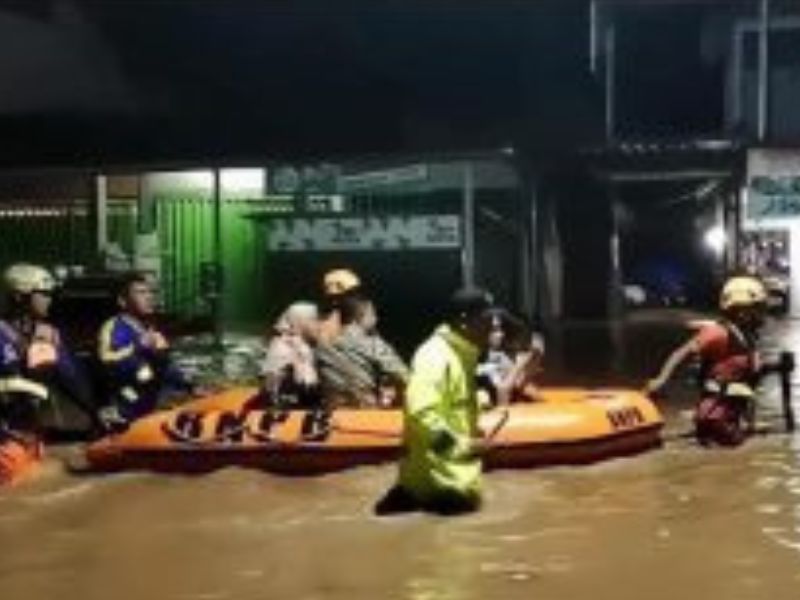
182	79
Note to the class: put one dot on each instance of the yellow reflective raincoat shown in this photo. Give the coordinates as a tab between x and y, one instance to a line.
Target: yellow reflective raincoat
441	420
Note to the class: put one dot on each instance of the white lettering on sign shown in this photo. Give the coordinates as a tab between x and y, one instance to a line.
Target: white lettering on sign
773	184
372	179
433	232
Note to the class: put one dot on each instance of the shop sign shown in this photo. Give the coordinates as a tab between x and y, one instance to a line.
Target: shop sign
386	177
430	232
773	184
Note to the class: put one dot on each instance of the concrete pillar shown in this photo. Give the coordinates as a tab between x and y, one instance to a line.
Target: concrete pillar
615	280
146	206
530	247
763	71
615	285
217	295
147	249
99	218
468	226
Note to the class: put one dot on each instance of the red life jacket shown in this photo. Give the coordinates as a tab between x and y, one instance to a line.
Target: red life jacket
727	354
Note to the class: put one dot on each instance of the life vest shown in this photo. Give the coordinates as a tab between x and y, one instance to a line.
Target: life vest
21	357
729	373
727	356
18	457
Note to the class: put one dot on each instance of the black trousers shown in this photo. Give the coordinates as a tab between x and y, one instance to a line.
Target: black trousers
398	500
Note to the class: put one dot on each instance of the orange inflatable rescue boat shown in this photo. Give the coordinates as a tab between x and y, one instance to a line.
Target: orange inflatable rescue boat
564	426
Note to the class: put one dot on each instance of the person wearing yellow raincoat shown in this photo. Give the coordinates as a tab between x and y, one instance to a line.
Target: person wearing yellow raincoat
441	469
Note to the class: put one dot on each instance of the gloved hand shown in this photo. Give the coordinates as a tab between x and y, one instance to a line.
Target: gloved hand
443	442
111	420
480	445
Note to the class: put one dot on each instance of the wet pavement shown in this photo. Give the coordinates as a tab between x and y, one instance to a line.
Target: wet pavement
678	522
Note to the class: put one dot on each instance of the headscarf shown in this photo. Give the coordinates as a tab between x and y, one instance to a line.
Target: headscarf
288	349
289	323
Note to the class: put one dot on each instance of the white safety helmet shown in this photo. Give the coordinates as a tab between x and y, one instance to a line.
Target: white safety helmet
23	278
742	292
340	281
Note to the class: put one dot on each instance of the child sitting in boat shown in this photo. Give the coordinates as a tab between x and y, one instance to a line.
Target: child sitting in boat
508	369
359	368
289	373
497	362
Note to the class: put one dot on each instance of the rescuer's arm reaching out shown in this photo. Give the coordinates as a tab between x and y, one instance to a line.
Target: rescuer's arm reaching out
675	360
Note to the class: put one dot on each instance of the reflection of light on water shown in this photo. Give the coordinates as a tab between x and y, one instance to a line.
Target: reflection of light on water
220	595
783	536
251	573
515	571
793	485
66	493
769	509
786	534
452	567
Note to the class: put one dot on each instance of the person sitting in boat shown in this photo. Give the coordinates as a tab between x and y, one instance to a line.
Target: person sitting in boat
290	372
337	286
729	364
497	362
359	368
134	357
440	470
33	361
528	366
507	371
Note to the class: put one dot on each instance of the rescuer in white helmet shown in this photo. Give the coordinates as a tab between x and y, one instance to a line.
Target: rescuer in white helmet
33	358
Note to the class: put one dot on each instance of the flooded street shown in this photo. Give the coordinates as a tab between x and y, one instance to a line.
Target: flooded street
681	521
225	227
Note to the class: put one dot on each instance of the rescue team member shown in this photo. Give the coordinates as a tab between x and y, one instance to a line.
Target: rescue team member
33	362
337	285
290	372
134	356
729	364
441	469
359	368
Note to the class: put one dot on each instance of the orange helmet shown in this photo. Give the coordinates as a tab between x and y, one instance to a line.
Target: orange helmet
340	281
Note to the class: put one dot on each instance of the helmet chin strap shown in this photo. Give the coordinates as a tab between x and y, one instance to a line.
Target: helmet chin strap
19	305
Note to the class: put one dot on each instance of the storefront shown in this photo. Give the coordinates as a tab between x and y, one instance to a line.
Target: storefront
239	243
771	246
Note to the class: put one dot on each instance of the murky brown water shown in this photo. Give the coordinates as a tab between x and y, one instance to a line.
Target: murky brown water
680	522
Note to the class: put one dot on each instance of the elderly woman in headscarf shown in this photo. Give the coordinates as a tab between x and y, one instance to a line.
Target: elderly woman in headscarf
289	372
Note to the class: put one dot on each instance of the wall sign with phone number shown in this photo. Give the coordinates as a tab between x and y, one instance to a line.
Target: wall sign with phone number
773	196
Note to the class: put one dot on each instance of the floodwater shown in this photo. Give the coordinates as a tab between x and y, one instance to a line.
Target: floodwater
677	522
